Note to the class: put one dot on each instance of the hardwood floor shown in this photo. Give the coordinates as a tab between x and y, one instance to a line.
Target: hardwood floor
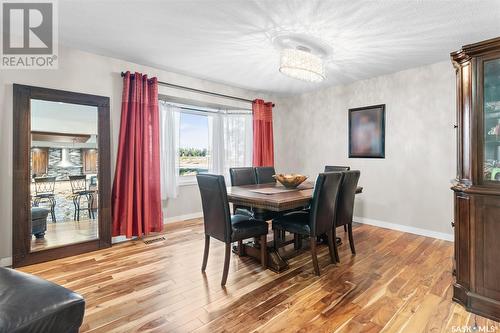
397	282
64	233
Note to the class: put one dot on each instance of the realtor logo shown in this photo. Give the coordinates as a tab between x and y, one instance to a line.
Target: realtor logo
29	32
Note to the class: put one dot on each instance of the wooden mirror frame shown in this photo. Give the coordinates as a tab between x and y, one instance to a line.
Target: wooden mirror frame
21	202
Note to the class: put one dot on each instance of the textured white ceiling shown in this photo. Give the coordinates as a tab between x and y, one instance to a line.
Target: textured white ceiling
230	41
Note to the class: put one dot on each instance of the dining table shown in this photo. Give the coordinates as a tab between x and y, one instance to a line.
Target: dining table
276	198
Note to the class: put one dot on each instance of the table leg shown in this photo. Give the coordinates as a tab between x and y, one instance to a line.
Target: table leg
275	261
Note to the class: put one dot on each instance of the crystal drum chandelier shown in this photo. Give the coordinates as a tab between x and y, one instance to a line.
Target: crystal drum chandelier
301	64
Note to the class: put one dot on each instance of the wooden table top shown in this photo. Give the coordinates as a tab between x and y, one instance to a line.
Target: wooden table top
286	200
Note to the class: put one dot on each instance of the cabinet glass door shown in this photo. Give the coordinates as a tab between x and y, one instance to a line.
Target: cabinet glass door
491	109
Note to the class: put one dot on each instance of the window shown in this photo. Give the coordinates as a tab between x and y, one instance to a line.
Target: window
193	144
197	140
238	140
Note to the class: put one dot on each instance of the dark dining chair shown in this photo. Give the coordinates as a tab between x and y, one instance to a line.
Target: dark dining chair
44	191
239	177
345	206
246	176
336	168
319	220
79	189
264	175
220	225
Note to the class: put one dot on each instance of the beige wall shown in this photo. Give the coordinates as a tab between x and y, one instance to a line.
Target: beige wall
409	189
92	74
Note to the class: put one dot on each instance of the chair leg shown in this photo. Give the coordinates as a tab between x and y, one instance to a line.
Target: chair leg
78	211
76	208
345	227
296	238
240	248
351	240
92	205
52	202
263	251
333	233
53	215
312	242
331	247
54	209
297	241
226	264
205	253
89	206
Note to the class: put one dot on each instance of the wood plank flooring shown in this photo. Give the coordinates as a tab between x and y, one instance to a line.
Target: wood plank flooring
397	282
64	233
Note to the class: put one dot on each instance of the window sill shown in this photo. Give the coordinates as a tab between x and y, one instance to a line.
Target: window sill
187	182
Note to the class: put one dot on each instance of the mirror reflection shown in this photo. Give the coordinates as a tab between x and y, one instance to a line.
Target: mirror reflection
64	174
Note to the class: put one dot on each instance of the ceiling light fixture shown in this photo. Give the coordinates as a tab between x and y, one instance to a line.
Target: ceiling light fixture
300	63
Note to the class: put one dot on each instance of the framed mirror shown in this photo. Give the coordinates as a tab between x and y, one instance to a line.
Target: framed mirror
62	174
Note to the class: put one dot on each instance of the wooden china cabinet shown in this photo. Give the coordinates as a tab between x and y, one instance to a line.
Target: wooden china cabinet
90	159
477	186
39	161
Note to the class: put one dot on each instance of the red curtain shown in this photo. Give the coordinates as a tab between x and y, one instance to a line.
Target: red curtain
263	146
136	188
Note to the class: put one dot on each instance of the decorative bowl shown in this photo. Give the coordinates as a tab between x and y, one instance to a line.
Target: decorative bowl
290	180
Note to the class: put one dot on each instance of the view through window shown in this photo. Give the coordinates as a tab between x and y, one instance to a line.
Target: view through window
193	144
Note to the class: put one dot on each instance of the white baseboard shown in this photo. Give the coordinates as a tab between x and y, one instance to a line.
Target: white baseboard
183	217
405	228
7	261
119	239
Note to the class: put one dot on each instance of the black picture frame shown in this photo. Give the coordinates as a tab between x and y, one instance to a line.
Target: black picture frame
374	118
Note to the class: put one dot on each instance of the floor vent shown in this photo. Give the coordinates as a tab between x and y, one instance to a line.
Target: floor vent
154	240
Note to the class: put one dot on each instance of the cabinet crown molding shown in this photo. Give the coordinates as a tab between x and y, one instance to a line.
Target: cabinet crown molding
467	52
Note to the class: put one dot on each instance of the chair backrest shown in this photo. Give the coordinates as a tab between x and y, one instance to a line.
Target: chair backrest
324	202
264	175
242	176
45	185
345	206
336	168
78	183
216	215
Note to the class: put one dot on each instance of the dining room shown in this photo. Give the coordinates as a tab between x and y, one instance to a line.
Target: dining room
250	166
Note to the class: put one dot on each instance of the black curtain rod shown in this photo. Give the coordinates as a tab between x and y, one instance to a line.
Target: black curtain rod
199	90
209	111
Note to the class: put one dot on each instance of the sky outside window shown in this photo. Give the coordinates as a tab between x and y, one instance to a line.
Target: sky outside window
193	143
193	131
